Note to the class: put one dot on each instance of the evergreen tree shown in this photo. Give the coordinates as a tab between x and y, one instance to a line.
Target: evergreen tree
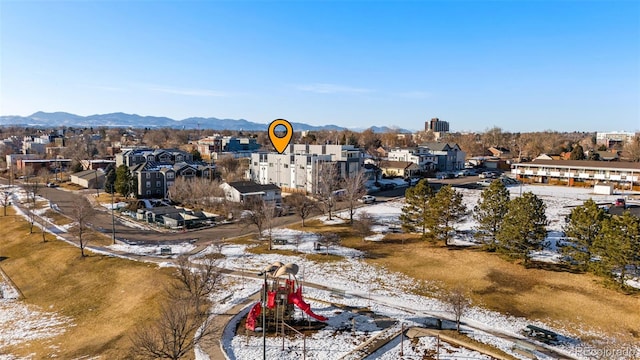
577	153
446	209
583	229
124	181
490	212
109	182
524	226
196	155
416	212
619	246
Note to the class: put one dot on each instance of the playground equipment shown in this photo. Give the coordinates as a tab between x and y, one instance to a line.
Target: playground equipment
283	292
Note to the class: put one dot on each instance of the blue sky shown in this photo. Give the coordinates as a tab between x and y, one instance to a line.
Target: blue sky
522	66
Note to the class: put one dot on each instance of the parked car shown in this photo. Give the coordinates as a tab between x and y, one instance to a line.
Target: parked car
367	199
52	185
620	203
485	182
488	175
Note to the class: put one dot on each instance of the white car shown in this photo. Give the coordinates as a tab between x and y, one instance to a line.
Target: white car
367	199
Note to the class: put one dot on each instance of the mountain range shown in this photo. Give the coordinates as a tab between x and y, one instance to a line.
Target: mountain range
56	119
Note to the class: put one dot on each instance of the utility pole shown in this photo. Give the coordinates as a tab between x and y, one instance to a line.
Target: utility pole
113	219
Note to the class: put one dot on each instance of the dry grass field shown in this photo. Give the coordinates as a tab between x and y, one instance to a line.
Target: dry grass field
572	301
105	297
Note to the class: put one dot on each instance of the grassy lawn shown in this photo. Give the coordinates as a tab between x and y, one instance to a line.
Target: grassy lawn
560	298
106	297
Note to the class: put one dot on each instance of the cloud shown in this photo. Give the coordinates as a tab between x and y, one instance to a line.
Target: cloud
415	94
331	89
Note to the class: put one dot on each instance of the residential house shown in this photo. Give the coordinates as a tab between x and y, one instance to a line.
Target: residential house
89	179
421	156
499	152
449	156
404	169
241	191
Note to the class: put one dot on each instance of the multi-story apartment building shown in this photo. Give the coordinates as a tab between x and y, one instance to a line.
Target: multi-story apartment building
615	138
135	156
216	144
157	169
300	166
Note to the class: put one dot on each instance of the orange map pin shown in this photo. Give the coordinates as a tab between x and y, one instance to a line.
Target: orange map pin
280	143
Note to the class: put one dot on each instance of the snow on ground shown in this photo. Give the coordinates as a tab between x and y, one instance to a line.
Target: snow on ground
390	294
21	322
176	249
424	345
365	286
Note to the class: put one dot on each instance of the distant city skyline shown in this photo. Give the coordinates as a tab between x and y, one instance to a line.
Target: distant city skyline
521	66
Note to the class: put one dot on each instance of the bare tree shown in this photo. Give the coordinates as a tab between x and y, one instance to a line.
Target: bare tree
458	304
302	205
362	226
354	187
328	183
185	321
632	149
81	215
261	214
5	200
32	186
329	239
182	325
199	280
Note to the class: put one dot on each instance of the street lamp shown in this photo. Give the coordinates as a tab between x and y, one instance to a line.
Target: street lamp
264	316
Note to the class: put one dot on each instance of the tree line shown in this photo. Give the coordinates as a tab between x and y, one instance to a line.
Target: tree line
598	242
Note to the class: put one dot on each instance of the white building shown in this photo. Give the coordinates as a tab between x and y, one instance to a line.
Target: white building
240	191
299	167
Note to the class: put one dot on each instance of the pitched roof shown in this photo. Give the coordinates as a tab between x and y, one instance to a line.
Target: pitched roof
244	187
395	164
88	174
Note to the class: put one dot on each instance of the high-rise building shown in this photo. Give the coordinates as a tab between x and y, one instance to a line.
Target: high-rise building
436	125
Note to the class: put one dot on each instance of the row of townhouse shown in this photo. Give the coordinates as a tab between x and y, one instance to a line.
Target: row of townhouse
584	171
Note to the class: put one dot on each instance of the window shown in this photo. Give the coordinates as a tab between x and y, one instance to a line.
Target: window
170	175
148	183
148	175
148	192
270	164
286	166
158	183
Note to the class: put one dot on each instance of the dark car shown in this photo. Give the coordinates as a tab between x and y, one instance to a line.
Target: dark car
620	203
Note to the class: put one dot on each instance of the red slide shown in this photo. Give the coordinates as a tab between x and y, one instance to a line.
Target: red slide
296	299
253	315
